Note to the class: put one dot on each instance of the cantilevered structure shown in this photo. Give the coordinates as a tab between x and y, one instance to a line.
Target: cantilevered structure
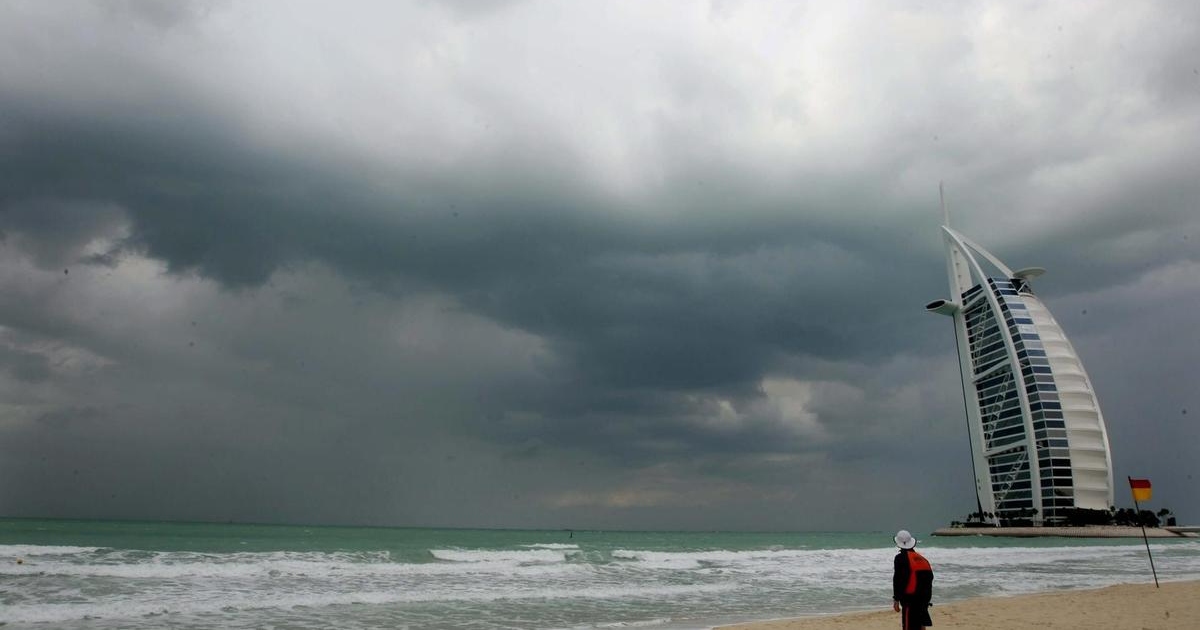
1038	439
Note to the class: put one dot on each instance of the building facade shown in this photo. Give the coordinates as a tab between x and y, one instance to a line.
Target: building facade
1038	440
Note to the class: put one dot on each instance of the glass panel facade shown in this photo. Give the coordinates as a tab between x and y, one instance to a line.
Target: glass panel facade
1005	433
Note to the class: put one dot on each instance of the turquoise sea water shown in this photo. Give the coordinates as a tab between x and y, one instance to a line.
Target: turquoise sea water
91	574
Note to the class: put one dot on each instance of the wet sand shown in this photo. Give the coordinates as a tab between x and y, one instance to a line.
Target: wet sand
1141	606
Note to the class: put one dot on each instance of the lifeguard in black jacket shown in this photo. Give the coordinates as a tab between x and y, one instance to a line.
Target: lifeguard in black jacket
912	584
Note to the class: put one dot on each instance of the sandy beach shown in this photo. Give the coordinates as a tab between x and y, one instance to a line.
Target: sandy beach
1175	605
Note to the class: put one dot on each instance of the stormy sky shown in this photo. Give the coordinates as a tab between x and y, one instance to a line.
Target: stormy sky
573	264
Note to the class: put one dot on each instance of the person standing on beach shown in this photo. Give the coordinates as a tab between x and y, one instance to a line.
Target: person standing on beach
912	584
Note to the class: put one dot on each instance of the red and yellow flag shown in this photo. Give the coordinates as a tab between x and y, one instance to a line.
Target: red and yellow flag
1140	489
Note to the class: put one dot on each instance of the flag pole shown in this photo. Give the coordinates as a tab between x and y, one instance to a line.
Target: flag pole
1137	513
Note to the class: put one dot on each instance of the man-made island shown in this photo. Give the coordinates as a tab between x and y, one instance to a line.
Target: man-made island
1088	531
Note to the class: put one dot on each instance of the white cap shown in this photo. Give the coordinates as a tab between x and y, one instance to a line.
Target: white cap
904	540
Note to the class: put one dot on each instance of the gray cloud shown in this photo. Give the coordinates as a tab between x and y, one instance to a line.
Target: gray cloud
648	266
161	14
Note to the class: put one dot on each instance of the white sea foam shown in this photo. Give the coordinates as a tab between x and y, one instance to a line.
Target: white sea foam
229	600
528	556
28	551
275	565
783	564
645	623
555	583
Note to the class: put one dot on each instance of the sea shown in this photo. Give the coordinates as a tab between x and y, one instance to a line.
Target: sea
104	574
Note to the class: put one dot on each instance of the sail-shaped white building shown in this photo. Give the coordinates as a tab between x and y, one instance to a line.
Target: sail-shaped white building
1038	440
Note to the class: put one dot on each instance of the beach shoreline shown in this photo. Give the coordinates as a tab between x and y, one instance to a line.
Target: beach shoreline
1172	605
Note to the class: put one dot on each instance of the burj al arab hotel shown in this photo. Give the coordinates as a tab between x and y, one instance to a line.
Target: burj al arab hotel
1037	436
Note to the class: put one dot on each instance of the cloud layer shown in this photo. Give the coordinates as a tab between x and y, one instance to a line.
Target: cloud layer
538	265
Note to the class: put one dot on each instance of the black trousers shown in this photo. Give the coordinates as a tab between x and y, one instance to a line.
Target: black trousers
913	616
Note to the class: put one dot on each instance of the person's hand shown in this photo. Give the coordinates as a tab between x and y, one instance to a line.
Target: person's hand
895	605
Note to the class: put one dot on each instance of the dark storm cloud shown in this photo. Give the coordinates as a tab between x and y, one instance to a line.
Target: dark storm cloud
56	232
25	366
469	244
686	302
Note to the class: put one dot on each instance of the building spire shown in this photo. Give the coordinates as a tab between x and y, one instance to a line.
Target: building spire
945	212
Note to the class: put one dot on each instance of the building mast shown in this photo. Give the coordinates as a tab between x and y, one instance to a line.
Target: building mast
958	348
